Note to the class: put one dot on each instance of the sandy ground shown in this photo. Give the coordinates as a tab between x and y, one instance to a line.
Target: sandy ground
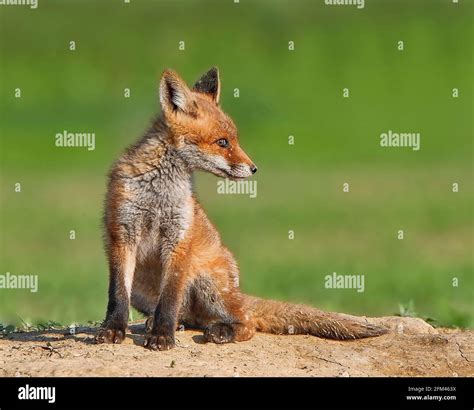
413	348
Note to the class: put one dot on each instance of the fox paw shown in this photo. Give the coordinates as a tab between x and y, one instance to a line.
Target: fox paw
149	324
107	335
159	342
219	333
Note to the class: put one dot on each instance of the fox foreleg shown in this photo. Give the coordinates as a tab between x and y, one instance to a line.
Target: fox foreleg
173	284
122	261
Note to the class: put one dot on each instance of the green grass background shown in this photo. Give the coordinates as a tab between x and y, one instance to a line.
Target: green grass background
282	93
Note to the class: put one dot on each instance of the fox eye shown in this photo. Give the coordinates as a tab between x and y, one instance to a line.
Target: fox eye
223	142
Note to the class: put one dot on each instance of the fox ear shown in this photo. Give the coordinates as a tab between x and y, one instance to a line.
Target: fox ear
210	84
175	96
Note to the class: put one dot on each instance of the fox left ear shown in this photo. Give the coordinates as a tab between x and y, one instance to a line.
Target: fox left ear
210	84
175	96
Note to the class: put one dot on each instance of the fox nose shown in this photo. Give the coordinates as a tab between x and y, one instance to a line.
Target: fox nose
253	169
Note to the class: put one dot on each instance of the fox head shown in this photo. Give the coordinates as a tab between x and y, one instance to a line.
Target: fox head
203	135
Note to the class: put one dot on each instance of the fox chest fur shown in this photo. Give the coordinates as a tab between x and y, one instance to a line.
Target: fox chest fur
152	210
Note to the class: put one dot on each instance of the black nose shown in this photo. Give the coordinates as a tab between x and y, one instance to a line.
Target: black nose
253	168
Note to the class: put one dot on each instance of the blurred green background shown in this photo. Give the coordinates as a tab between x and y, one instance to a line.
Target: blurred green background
282	93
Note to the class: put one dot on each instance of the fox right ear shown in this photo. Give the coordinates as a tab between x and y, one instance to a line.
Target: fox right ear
175	96
210	84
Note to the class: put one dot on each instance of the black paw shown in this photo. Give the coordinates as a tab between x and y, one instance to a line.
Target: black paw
107	335
219	333
149	324
159	342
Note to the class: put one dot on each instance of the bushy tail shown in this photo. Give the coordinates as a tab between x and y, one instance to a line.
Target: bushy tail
285	318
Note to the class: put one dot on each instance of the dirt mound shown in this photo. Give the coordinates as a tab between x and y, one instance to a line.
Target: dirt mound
412	348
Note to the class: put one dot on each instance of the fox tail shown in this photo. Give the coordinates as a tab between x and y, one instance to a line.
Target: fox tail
285	318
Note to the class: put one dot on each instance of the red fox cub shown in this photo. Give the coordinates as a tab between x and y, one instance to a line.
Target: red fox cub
165	257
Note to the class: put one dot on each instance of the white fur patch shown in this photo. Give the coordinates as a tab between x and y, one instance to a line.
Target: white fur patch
129	270
179	99
220	162
186	219
242	170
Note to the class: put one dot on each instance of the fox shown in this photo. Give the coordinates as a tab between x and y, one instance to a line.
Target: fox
165	257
